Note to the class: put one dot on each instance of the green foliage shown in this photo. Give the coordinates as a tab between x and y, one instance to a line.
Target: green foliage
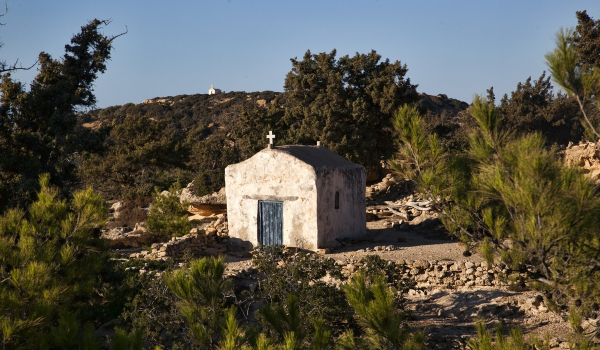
587	39
289	321
209	181
577	78
149	306
533	107
300	275
126	341
515	197
286	320
346	103
169	217
201	291
213	154
173	139
419	155
49	262
253	126
375	265
443	116
516	341
37	126
545	210
234	337
139	154
375	305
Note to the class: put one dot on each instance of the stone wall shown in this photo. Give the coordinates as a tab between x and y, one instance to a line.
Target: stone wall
210	239
444	273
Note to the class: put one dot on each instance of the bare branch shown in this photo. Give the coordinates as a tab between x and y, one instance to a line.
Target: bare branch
9	68
398	213
118	35
545	281
585	116
416	205
5	12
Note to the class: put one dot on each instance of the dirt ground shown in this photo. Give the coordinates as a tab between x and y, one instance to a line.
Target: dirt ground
448	315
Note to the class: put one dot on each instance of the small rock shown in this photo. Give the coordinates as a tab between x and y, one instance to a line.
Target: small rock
116	206
421	264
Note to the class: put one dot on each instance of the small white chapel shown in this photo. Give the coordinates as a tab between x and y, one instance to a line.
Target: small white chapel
213	91
297	196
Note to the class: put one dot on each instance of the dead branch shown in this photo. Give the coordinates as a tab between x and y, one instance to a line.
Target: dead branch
396	212
4	67
416	205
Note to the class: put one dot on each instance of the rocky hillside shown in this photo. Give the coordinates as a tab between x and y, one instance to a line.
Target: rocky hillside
136	147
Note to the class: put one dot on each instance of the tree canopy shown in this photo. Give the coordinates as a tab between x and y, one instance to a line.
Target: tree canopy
37	125
346	103
574	67
533	106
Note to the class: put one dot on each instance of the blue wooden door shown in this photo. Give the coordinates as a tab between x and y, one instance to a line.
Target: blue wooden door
270	223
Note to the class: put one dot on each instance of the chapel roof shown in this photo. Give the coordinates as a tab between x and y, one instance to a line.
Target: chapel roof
317	156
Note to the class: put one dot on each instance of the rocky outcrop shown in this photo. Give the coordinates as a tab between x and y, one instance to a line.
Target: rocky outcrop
199	243
119	236
187	194
208	238
585	155
123	237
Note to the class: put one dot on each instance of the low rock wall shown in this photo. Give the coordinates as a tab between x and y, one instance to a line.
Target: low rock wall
445	273
197	244
204	241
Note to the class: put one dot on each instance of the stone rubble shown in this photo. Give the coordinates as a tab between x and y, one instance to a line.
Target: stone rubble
187	194
122	237
585	155
482	291
443	273
209	238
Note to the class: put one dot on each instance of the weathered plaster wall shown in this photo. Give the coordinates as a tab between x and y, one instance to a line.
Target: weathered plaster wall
273	175
350	219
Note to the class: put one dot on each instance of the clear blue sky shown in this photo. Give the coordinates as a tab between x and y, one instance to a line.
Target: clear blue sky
456	47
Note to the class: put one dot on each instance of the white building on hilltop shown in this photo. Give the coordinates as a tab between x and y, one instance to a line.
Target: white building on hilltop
213	91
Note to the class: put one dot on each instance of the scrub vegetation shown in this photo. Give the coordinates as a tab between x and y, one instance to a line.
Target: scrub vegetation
491	171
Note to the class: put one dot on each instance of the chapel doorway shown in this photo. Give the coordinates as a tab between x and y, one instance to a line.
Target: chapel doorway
270	223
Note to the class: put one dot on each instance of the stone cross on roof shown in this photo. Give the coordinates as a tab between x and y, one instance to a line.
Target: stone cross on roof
270	137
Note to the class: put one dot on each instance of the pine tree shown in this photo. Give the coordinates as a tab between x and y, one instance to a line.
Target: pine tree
37	125
168	216
346	103
375	305
516	199
202	305
578	78
50	260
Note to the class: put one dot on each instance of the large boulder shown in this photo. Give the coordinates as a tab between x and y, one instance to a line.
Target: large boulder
123	237
585	155
187	194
